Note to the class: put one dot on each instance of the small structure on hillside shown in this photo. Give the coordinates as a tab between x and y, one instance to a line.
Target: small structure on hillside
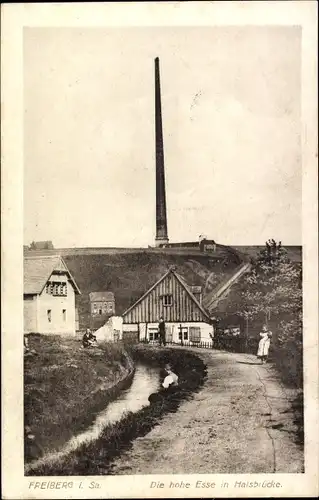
172	299
49	296
41	245
206	245
102	306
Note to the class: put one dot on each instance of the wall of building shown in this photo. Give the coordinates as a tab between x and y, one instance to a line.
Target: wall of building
148	331
61	323
111	331
152	307
30	313
102	307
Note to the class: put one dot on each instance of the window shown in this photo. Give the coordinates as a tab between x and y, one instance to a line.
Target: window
56	288
183	333
194	333
100	311
49	315
64	314
167	300
153	333
169	333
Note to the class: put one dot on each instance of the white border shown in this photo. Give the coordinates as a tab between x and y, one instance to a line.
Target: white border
14	18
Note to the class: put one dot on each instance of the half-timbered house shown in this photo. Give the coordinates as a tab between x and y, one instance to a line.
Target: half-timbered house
172	299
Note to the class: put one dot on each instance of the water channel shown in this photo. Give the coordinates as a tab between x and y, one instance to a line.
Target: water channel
146	380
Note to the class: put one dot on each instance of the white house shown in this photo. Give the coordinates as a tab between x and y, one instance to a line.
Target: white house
49	296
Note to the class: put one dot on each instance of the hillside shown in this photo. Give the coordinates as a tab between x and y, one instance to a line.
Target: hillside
129	275
294	252
129	272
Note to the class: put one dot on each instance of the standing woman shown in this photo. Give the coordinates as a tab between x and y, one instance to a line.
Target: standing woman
162	332
264	343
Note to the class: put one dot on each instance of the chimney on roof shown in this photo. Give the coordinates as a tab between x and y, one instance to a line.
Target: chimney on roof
161	216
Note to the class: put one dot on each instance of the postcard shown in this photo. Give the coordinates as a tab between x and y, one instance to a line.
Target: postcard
159	258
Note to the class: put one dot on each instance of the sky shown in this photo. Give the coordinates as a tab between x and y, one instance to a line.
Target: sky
231	126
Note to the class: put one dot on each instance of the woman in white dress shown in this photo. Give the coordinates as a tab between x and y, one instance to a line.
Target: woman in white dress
264	343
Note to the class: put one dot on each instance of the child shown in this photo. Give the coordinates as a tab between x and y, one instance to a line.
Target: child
171	379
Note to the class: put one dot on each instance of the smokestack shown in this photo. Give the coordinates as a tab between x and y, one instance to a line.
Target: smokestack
161	217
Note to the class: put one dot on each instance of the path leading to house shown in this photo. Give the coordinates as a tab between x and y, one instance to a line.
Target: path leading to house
240	422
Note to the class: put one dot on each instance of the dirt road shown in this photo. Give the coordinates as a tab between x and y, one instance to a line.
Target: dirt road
241	421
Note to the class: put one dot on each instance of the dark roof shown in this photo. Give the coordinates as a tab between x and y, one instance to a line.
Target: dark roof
37	271
101	296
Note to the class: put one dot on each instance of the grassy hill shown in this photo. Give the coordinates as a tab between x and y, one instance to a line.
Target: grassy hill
130	274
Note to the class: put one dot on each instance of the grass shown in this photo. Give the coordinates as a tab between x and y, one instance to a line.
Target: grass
65	386
95	458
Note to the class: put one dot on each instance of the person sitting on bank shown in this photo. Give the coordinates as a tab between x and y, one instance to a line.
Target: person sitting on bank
89	340
169	385
162	332
171	379
26	347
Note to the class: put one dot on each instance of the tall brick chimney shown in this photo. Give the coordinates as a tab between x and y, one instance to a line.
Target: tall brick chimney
161	216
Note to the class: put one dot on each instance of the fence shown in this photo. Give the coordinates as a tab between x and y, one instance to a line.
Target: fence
183	343
222	343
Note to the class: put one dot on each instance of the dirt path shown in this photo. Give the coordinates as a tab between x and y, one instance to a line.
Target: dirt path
240	422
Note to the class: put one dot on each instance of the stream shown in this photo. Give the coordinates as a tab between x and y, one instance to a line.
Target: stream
146	380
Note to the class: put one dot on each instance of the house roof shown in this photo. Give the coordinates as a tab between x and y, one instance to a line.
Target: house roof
101	296
181	280
37	271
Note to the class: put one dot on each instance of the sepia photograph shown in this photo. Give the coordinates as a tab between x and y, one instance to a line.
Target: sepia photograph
166	336
163	258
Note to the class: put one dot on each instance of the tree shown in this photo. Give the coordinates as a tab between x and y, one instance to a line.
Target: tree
273	288
272	293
